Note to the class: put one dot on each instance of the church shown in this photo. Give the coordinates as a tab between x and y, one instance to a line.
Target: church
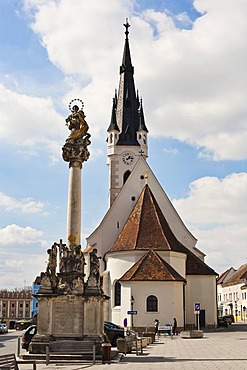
150	266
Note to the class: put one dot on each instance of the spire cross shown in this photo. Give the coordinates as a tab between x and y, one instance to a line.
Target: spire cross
127	25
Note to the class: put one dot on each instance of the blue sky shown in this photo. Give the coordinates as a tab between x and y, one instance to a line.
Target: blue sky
190	69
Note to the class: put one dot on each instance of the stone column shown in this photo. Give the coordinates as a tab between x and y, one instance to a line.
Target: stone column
75	152
74	203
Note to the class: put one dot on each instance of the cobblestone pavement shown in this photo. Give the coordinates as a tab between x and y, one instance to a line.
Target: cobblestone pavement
222	349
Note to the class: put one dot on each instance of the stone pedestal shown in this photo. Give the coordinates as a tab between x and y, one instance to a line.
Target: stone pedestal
70	317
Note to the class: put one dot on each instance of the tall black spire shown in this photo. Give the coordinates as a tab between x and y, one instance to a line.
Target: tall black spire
142	125
113	124
127	114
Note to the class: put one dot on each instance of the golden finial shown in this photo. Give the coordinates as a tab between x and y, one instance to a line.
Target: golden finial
146	177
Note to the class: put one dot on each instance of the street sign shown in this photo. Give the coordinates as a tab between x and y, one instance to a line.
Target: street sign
131	312
197	308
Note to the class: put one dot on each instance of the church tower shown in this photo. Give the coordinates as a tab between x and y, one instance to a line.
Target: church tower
127	132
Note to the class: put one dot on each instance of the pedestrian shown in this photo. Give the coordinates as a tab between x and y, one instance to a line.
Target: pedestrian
156	326
175	327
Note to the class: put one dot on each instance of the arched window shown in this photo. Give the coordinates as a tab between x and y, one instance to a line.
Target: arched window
117	294
125	176
152	303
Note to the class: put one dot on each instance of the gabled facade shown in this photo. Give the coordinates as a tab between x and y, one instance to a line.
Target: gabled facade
150	262
234	293
220	293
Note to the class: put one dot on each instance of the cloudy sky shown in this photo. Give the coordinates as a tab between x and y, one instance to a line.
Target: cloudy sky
190	62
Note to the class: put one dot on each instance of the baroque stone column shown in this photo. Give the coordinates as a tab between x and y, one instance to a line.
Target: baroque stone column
74	203
75	152
70	308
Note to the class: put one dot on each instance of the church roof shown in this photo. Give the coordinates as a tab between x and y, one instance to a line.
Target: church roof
151	267
195	266
127	114
238	277
147	228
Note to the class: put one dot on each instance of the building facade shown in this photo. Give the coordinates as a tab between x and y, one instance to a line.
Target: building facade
232	293
150	264
15	306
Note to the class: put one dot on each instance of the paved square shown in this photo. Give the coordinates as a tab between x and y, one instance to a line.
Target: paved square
223	349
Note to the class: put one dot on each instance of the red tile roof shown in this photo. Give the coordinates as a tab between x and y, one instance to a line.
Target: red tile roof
147	228
151	267
238	277
195	266
223	277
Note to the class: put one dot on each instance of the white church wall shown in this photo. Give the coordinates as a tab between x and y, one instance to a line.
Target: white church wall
176	260
119	263
119	316
201	289
170	303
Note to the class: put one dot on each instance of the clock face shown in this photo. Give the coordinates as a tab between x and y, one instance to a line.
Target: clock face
128	158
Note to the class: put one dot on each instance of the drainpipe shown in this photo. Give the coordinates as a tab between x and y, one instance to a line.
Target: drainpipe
184	284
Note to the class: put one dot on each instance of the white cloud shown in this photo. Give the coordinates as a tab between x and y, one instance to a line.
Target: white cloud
29	121
25	205
170	150
15	274
216	212
22	255
14	234
194	82
21	247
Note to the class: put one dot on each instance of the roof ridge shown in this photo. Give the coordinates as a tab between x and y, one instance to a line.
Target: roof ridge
156	265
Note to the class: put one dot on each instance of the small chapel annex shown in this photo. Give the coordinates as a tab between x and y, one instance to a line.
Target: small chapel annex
150	263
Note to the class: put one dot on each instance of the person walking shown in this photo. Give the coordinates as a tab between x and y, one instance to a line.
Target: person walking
156	326
175	327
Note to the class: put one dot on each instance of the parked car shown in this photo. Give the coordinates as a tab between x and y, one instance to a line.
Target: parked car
222	321
27	336
3	328
23	324
113	332
230	319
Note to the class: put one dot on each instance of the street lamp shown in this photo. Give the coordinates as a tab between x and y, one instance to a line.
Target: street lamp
132	300
236	310
244	309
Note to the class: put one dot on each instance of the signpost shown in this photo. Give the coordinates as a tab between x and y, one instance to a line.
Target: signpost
132	312
197	309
